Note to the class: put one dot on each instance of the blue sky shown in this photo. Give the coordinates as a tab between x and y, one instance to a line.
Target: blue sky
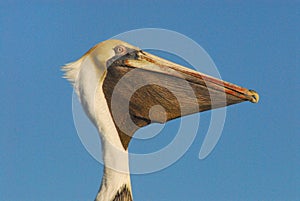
253	44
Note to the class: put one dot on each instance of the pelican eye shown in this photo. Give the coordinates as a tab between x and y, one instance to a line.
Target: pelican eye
120	49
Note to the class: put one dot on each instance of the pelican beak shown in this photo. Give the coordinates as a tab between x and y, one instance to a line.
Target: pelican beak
156	64
141	80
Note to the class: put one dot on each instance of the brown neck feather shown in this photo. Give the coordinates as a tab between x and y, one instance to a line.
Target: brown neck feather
123	194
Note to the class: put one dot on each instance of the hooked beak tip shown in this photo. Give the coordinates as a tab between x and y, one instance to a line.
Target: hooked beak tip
255	96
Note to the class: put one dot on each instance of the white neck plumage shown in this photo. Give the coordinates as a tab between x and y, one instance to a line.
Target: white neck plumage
116	178
115	187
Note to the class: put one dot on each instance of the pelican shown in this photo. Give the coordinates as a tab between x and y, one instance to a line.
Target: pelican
118	84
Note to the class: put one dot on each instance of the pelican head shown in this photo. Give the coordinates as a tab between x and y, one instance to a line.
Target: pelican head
119	84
